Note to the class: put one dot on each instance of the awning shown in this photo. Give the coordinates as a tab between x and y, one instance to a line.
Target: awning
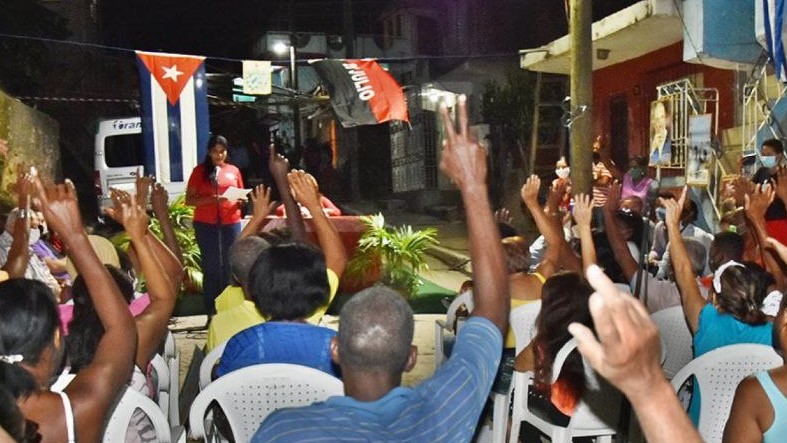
627	34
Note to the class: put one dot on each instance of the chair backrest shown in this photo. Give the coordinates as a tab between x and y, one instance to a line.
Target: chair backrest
465	298
718	374
248	395
208	363
118	423
170	347
522	321
600	406
676	337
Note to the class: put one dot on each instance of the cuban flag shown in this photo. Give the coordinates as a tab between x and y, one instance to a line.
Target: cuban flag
175	121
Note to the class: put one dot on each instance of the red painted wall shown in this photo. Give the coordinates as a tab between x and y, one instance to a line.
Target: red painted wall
637	80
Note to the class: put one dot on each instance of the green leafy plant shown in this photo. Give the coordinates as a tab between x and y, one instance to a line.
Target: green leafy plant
181	216
401	251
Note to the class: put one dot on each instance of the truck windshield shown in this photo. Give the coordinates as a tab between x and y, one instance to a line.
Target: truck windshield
123	150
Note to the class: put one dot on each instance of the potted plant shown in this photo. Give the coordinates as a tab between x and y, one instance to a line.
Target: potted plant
398	252
181	216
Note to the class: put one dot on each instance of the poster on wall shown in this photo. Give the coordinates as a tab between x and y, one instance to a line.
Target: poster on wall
660	133
700	152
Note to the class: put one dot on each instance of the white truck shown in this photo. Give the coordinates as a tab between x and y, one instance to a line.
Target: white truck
119	154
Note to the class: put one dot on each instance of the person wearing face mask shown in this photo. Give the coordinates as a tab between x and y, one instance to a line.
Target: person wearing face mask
36	268
772	156
563	172
45	251
636	183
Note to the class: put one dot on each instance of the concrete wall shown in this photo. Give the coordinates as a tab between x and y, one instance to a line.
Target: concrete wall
33	139
720	33
636	81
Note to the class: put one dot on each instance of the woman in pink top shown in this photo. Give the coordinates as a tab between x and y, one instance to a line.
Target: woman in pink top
636	183
216	219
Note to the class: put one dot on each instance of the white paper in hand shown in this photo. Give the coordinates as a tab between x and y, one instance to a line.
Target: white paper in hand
232	193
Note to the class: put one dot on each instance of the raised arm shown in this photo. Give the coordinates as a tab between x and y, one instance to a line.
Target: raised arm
553	236
615	237
755	206
627	354
19	253
115	352
690	296
307	193
159	200
261	207
463	160
280	167
583	215
152	322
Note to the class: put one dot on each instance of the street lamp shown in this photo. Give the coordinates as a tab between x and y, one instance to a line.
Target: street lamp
281	48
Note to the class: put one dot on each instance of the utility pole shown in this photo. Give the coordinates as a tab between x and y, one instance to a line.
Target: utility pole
351	139
349	28
580	22
296	106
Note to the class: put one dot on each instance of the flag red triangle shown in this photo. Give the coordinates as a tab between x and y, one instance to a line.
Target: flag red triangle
171	71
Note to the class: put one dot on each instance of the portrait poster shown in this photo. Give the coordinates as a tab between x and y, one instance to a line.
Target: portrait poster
660	133
700	153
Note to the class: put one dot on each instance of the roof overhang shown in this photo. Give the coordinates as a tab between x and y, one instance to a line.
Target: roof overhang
637	30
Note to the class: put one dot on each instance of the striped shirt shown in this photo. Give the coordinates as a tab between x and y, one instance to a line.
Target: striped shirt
444	407
600	193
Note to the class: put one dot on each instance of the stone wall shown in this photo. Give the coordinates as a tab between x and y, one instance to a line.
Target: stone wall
33	139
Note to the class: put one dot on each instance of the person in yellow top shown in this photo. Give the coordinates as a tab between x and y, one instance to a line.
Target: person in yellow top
234	311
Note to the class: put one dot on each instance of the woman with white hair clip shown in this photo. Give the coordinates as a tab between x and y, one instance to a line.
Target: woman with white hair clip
733	315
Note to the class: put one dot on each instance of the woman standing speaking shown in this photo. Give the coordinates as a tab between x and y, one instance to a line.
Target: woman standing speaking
216	219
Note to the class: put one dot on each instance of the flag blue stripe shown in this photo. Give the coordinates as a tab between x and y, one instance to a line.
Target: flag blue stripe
175	143
148	152
779	46
202	114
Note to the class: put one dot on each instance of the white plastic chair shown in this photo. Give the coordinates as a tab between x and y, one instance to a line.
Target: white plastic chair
522	320
117	426
210	360
583	423
174	386
444	329
675	337
248	395
170	347
162	379
718	373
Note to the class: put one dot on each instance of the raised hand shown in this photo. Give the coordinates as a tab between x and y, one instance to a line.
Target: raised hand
613	198
529	192
756	203
627	349
674	209
305	190
261	201
119	199
143	184
779	247
503	215
159	200
278	164
463	159
583	210
555	196
60	208
135	220
741	187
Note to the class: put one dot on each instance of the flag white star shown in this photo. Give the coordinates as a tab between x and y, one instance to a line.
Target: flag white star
171	72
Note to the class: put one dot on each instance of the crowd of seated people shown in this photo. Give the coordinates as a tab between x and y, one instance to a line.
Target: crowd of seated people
728	285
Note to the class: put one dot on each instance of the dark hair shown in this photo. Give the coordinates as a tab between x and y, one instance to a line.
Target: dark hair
641	161
289	281
11	418
634	222
691	207
516	253
243	254
86	330
376	330
207	163
564	300
28	321
506	230
742	291
725	246
775	144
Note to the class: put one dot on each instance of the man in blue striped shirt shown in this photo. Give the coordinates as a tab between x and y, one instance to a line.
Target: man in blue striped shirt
374	342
